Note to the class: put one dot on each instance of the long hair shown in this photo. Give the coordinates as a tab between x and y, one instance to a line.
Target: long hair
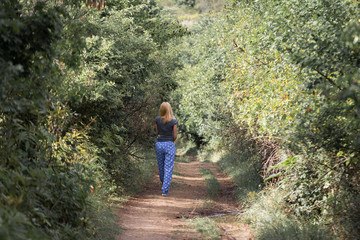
165	112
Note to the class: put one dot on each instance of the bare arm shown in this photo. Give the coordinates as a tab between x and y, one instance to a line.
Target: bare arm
156	128
175	132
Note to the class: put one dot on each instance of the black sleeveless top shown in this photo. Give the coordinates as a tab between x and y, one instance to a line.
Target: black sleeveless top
165	131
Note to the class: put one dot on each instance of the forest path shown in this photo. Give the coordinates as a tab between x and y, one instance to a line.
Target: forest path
151	216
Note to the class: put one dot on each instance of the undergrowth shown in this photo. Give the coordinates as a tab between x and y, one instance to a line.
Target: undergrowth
104	220
184	148
183	160
271	218
144	172
243	168
212	184
207	227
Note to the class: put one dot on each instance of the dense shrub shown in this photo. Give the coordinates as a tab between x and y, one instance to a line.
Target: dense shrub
272	219
287	74
189	3
79	88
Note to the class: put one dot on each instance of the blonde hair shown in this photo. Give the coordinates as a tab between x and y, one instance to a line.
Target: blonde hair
165	112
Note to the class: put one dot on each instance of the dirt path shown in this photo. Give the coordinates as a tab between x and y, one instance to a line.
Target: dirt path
151	216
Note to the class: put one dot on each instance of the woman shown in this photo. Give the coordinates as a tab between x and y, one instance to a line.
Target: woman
166	130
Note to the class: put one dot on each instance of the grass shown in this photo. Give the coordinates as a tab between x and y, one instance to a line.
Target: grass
105	221
207	227
208	203
176	173
142	172
243	168
267	213
212	184
270	219
183	160
205	155
189	17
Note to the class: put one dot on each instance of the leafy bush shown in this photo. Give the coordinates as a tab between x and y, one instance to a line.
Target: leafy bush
243	172
286	74
76	108
197	97
189	3
271	218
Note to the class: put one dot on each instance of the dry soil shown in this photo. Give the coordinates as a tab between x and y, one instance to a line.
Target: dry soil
151	216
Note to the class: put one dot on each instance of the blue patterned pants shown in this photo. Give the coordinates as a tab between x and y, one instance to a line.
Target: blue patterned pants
165	153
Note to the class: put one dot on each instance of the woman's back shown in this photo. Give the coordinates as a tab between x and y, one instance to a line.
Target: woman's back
165	130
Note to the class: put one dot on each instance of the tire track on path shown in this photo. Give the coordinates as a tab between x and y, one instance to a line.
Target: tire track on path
150	216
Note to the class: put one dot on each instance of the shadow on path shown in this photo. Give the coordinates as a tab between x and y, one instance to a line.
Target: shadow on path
150	216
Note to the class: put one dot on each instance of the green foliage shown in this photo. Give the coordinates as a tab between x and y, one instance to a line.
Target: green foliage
183	160
242	162
325	134
185	148
286	74
207	227
197	97
149	15
271	218
212	184
170	29
116	85
189	3
77	99
272	83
